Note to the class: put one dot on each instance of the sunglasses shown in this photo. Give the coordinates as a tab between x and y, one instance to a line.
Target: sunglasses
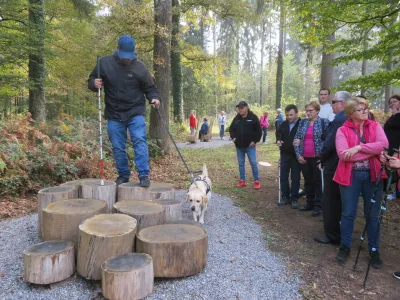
336	101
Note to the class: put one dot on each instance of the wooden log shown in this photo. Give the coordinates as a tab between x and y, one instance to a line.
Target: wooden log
173	208
183	221
61	219
192	138
77	183
49	262
101	237
127	277
146	213
177	250
157	190
92	189
50	195
162	191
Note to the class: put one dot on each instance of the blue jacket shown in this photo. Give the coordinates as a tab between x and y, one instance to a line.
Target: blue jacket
204	128
278	121
319	127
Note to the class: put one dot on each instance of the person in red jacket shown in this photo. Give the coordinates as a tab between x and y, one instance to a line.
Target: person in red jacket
192	122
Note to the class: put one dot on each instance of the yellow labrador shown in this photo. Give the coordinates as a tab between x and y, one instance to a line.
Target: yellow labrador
199	195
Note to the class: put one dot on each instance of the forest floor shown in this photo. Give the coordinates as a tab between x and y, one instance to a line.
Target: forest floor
289	232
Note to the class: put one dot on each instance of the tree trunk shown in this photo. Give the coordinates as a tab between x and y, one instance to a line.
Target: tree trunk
307	79
37	103
162	71
176	65
279	71
364	65
388	89
262	61
326	69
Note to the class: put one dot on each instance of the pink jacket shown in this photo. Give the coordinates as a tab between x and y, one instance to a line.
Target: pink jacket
264	122
346	138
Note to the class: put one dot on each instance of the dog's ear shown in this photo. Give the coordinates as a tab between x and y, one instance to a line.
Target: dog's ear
205	199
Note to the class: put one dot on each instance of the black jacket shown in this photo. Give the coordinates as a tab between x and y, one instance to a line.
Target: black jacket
245	130
329	157
125	87
392	131
287	137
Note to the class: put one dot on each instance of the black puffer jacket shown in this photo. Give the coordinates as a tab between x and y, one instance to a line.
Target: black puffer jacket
245	130
125	87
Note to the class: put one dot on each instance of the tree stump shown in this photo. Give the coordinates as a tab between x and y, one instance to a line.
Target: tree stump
177	250
61	219
76	183
49	262
157	190
173	208
128	276
146	213
92	189
162	191
102	237
192	138
50	195
183	221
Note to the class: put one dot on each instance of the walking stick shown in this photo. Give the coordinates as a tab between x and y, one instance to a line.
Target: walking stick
101	166
279	180
383	209
378	180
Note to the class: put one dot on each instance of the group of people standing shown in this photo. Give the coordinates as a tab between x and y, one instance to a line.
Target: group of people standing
342	154
222	120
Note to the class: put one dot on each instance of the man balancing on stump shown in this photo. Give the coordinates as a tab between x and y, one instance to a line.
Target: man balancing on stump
126	82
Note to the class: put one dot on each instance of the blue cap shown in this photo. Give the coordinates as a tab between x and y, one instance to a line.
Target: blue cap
126	47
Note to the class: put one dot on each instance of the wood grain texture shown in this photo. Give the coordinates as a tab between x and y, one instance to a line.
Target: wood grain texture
157	190
173	208
92	189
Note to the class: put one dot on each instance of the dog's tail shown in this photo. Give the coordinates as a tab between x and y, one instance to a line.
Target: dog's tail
205	171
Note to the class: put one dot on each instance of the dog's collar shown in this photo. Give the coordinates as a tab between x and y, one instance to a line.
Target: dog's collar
208	189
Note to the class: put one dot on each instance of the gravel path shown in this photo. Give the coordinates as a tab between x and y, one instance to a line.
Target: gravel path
239	266
215	142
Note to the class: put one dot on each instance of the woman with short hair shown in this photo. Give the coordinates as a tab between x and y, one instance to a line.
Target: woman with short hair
264	122
359	143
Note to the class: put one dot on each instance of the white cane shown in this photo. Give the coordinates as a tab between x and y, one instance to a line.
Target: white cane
322	178
279	180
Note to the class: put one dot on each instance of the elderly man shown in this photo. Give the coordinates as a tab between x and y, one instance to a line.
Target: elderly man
222	124
331	199
326	109
278	121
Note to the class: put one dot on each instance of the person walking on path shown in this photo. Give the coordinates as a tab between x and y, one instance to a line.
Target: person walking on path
278	121
331	200
326	111
126	83
289	163
264	126
359	143
245	131
192	122
222	124
308	145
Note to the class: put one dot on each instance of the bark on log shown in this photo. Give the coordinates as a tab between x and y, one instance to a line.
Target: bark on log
146	213
49	262
173	208
127	277
183	221
50	195
61	219
77	183
92	189
162	191
177	250
102	237
157	190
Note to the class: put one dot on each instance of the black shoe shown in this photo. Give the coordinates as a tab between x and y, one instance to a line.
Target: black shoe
144	181
316	212
295	205
396	275
376	261
343	253
322	239
283	202
121	180
307	207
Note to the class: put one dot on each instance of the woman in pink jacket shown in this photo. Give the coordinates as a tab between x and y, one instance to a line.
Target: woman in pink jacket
264	125
359	143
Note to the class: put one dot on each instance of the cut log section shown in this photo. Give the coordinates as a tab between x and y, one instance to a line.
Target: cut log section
183	221
173	208
157	190
50	195
92	189
77	183
177	250
162	191
127	277
49	262
192	138
101	237
146	213
61	219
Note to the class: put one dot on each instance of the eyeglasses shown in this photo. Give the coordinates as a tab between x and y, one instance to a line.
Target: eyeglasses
362	110
336	101
310	110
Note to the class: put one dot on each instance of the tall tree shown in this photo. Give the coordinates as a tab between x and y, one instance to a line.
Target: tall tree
176	64
279	72
326	64
162	71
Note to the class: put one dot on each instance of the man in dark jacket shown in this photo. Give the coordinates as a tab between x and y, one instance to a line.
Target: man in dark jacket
288	159
126	82
331	199
245	131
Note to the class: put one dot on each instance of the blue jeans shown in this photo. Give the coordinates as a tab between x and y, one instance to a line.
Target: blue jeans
221	131
251	154
117	132
361	184
264	130
289	164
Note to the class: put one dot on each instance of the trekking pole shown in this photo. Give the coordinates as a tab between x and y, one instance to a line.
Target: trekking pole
101	166
383	209
279	180
378	180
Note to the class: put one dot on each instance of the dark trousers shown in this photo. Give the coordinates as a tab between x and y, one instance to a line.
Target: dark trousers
265	132
312	181
289	164
332	208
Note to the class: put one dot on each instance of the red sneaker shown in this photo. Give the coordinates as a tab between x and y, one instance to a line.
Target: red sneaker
257	185
241	183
